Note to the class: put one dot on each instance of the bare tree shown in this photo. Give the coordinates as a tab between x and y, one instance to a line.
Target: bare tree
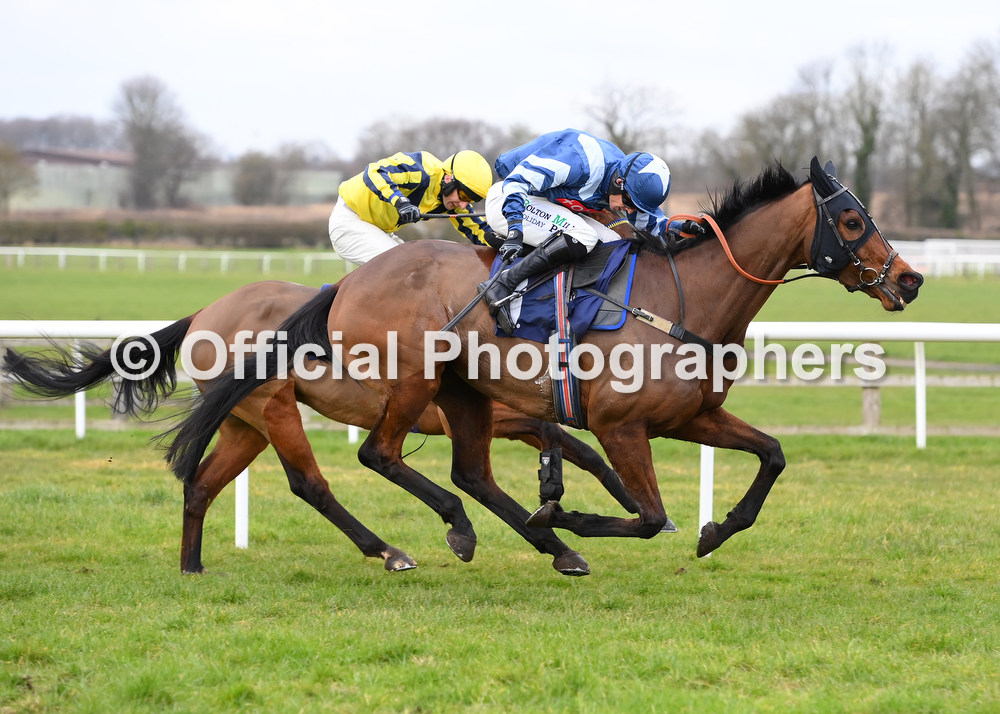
631	118
913	132
164	149
61	132
864	99
970	123
442	137
255	179
15	175
791	128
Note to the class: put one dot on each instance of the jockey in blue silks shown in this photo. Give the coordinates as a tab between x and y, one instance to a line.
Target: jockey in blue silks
549	185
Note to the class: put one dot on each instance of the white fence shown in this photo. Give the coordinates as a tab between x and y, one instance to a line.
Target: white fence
182	260
935	256
940	256
759	333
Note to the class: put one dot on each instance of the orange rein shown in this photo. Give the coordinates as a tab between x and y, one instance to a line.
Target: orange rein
725	246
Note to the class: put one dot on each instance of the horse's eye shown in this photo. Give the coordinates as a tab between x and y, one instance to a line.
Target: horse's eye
855	224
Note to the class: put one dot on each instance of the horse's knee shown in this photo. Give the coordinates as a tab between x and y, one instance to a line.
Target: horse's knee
772	457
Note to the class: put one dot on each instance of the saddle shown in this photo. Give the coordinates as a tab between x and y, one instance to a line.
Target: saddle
607	270
587	295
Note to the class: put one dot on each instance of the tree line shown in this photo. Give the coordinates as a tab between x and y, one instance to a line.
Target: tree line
932	139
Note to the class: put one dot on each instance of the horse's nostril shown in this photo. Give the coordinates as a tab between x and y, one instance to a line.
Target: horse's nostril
910	280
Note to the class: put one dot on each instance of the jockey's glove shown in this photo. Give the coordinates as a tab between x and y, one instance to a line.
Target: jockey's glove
492	239
513	246
408	213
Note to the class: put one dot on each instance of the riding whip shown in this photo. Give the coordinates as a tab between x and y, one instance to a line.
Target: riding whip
479	296
452	215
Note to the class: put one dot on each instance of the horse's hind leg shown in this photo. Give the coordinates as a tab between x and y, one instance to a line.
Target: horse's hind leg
469	414
284	429
721	429
627	446
382	453
544	435
238	445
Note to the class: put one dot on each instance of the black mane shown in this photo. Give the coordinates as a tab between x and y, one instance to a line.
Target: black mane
772	183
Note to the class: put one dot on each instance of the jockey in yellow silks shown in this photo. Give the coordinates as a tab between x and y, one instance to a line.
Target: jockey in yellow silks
404	188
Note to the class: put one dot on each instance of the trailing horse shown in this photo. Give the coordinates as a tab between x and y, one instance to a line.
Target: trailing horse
271	416
396	305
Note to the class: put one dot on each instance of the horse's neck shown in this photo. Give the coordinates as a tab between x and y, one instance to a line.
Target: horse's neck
719	302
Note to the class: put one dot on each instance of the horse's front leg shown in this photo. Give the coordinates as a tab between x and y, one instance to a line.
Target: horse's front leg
627	447
721	429
469	413
401	407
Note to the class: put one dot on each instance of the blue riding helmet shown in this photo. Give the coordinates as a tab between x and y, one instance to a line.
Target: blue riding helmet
646	180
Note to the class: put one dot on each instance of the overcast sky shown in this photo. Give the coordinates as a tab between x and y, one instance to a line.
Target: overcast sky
255	74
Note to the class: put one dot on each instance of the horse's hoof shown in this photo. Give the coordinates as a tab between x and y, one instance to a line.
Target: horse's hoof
461	545
396	560
542	517
708	540
571	563
668	527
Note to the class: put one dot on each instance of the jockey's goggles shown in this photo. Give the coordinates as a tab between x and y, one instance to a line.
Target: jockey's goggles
465	195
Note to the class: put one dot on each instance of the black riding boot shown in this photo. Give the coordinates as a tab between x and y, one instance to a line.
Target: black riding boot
545	257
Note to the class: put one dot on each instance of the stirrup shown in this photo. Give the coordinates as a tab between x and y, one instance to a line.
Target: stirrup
504	320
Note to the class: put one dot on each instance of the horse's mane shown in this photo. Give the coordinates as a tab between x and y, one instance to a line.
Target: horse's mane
772	183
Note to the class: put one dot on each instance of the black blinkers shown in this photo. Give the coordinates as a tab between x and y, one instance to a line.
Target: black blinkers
830	252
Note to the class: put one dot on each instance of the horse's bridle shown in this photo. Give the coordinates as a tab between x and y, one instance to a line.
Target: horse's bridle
827	237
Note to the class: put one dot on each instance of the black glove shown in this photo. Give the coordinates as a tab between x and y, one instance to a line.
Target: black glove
408	213
492	239
513	246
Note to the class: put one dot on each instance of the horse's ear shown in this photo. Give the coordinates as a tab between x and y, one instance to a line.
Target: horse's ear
830	169
820	178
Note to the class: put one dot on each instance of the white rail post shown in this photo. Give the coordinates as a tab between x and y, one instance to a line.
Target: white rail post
80	399
920	387
707	484
243	509
353	433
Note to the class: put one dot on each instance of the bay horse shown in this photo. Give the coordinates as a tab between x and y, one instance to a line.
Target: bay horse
396	305
271	416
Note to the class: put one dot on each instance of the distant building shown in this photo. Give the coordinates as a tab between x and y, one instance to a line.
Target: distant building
75	179
70	179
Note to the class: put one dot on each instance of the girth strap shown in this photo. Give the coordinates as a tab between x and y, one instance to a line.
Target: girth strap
678	332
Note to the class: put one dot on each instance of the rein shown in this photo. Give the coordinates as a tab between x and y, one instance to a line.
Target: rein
729	253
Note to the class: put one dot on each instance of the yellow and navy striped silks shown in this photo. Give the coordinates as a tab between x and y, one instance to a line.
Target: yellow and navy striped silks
416	176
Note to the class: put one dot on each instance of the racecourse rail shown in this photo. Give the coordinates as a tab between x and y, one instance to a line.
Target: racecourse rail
934	256
757	333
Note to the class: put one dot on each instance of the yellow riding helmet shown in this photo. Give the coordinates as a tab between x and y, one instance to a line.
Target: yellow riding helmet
472	173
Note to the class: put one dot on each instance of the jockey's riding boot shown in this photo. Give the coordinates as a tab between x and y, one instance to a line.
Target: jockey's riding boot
547	256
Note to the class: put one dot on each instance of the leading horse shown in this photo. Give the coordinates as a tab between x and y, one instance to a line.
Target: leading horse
758	232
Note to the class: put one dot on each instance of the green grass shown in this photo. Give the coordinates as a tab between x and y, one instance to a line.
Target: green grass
43	292
868	584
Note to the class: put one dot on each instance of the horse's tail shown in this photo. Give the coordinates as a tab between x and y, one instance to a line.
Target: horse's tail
64	373
193	434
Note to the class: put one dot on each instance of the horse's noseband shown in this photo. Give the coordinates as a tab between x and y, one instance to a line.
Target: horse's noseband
830	251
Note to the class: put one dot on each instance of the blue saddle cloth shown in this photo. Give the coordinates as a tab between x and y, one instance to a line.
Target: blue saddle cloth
534	313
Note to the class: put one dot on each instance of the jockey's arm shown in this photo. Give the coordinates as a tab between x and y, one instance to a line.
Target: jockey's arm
383	178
